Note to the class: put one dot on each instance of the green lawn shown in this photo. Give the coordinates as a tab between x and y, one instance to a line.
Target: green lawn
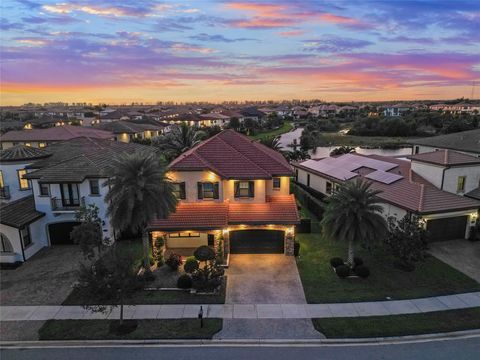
147	329
399	325
156	297
286	127
351	140
321	285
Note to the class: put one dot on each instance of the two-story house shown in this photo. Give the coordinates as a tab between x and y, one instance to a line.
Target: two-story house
232	187
406	188
467	142
70	176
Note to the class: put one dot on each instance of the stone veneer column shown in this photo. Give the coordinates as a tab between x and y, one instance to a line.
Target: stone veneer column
289	244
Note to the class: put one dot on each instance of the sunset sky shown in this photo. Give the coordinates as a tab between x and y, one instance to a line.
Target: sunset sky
148	51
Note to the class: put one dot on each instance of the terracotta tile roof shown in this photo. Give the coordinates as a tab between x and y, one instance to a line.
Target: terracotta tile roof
233	156
19	213
446	158
215	215
22	152
56	133
277	210
412	192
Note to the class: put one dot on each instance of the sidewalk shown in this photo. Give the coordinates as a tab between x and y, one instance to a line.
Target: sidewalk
246	311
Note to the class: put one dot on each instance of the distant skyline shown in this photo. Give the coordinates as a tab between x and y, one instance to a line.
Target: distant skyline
206	50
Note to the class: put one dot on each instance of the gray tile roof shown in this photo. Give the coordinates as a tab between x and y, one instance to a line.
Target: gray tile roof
468	141
22	152
19	213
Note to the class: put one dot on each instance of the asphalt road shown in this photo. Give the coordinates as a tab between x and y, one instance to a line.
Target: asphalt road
459	349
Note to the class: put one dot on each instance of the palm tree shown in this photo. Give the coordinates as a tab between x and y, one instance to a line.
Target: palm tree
139	192
179	139
272	143
353	214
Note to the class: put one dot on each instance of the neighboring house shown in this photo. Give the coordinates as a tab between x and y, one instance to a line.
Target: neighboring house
233	187
42	137
467	142
215	119
457	108
13	166
252	113
114	115
126	131
396	110
72	175
404	188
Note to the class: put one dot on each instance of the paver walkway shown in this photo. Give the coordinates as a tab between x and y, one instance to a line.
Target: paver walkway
249	311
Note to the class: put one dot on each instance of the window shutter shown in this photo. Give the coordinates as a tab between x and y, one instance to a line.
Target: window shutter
200	190
216	194
251	189
182	191
237	189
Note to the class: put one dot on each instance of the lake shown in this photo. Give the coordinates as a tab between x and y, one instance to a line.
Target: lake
324	151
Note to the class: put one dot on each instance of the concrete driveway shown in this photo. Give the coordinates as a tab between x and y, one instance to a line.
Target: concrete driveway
264	279
44	279
463	255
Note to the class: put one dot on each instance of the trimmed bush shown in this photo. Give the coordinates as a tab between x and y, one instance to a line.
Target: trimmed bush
173	261
342	271
336	261
191	265
204	253
184	282
362	271
357	261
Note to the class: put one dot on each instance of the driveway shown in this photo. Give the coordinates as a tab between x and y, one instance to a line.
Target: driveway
264	279
463	255
44	279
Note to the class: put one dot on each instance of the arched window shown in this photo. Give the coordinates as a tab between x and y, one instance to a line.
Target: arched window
5	244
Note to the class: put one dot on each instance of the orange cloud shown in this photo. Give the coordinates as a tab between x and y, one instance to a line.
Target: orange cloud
291	33
336	19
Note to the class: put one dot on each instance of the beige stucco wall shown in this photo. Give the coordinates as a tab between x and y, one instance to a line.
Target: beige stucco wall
430	172
472	181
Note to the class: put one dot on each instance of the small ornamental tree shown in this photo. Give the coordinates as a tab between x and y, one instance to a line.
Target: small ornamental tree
109	280
407	240
89	235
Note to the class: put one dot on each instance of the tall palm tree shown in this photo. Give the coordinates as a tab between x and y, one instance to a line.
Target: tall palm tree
139	192
179	139
272	143
353	214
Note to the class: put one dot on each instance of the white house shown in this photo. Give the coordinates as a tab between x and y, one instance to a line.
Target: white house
467	142
72	175
403	191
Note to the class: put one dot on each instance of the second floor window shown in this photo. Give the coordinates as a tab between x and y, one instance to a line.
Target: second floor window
43	189
94	187
244	189
179	190
26	238
461	183
24	184
70	194
2	184
329	187
208	190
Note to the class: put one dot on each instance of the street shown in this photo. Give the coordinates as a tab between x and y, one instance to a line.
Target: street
459	349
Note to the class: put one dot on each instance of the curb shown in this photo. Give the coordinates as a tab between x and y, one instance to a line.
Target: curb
245	342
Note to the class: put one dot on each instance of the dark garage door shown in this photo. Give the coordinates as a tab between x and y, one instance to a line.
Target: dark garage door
447	229
256	242
60	232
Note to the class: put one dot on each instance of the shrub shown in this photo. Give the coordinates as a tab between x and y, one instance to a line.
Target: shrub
204	253
173	261
362	271
336	261
357	261
191	265
296	248
151	260
148	276
342	271
184	282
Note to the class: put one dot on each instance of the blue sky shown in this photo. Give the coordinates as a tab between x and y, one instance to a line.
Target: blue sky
123	51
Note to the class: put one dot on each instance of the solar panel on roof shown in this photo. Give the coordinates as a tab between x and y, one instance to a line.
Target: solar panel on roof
384	177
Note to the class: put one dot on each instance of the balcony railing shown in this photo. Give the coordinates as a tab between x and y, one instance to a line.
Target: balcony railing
4	192
66	205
